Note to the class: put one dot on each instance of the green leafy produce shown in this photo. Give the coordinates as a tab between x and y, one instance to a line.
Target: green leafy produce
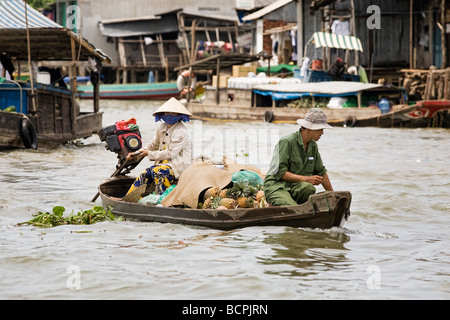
57	218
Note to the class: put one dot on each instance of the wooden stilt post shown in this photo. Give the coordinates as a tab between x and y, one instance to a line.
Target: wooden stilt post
123	61
218	81
73	85
189	85
443	34
33	106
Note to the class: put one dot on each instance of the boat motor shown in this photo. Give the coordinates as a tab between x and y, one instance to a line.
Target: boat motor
123	138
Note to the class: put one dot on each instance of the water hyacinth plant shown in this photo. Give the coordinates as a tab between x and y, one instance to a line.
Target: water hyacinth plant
57	218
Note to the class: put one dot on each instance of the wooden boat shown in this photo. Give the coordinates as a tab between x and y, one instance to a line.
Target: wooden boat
54	121
37	113
269	103
234	101
423	114
133	91
323	210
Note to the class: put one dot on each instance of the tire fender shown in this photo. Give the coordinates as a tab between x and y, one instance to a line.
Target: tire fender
268	116
350	121
28	134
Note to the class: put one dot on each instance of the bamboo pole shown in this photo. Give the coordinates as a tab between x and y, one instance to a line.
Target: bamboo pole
443	35
353	29
144	58
123	60
73	84
193	53
218	81
30	67
411	45
446	84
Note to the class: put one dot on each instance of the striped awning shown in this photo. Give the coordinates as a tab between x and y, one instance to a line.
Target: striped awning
338	41
12	16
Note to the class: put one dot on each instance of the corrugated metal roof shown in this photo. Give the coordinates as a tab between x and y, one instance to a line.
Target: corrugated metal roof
266	10
48	40
12	16
165	22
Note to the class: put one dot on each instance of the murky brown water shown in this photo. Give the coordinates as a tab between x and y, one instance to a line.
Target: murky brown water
395	244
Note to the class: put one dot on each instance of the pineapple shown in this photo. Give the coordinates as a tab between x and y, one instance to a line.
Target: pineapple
229	203
222	208
212	192
212	203
223	193
241	189
245	202
207	203
215	203
263	203
259	195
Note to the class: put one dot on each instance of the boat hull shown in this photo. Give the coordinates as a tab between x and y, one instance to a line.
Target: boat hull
239	105
323	210
87	124
141	91
55	121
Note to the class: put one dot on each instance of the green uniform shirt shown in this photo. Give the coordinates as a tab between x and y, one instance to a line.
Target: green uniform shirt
290	155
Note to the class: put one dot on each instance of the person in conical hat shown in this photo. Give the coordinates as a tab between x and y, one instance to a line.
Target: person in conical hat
172	106
170	148
297	166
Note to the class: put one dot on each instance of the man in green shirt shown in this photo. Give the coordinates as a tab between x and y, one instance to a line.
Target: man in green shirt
296	165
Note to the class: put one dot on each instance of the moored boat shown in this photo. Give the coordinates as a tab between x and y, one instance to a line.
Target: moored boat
38	112
323	210
280	100
132	91
273	103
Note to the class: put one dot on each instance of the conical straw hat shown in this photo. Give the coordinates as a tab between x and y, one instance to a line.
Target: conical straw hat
173	105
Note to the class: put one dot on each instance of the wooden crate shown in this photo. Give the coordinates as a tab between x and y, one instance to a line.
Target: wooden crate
223	81
242	71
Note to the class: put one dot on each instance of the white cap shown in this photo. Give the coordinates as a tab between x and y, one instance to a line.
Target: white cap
315	119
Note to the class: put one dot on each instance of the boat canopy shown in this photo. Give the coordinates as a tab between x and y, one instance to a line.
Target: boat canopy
48	40
338	41
317	89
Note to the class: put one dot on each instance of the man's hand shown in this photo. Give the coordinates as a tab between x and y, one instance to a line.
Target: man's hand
140	154
314	180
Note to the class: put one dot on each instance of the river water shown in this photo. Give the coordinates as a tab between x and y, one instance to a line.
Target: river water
394	245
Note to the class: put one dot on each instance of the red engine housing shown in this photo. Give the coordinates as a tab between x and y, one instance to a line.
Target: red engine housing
122	138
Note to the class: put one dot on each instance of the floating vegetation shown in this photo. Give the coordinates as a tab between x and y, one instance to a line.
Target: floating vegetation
57	218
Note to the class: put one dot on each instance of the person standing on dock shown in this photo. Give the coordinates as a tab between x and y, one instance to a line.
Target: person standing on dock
170	148
296	165
184	86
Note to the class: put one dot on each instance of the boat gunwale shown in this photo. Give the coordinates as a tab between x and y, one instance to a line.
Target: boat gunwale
239	217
